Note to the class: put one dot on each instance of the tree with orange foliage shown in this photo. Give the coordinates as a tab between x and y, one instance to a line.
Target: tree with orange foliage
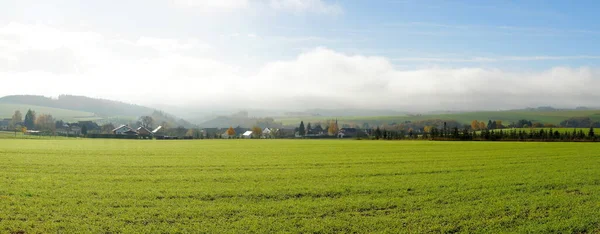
333	128
256	131
474	125
482	125
230	131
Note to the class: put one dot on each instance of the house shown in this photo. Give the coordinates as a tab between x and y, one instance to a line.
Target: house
142	131
266	133
32	132
124	130
4	123
347	132
75	128
247	134
69	129
316	131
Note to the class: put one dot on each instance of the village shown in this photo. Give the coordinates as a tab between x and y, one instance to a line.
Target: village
232	133
145	130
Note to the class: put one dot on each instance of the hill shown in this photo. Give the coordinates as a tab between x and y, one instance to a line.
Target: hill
7	110
100	107
79	108
552	117
240	119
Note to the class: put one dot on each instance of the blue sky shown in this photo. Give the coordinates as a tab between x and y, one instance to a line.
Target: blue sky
371	53
462	29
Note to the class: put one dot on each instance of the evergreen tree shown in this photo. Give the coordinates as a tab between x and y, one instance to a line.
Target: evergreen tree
455	133
445	130
301	129
377	133
29	121
84	129
308	128
591	133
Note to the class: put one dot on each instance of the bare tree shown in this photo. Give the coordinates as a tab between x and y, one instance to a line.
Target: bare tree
17	119
146	122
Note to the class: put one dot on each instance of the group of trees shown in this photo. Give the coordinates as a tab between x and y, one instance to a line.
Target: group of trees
579	122
43	122
46	124
331	128
467	134
390	134
516	135
492	124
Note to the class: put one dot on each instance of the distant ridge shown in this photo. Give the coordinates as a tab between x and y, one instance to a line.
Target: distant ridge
103	108
100	107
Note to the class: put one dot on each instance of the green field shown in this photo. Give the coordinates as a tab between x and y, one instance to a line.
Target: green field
264	186
552	117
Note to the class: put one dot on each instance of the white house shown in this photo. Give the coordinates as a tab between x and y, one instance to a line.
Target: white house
156	130
124	130
266	132
247	134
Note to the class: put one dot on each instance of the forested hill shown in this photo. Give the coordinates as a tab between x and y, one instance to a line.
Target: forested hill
100	107
105	110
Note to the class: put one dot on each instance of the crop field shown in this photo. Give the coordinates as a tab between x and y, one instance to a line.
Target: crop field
265	186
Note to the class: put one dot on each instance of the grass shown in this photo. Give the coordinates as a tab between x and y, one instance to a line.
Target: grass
20	135
552	117
263	186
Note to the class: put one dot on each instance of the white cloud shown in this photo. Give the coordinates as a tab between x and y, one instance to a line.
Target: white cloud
325	78
299	6
38	59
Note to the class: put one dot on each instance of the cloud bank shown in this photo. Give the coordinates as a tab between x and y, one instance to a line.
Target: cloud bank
38	59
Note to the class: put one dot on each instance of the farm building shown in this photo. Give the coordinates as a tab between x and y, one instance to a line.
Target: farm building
247	134
4	123
142	131
124	130
158	131
69	129
347	132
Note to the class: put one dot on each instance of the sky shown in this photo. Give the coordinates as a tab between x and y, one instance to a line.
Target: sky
405	55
